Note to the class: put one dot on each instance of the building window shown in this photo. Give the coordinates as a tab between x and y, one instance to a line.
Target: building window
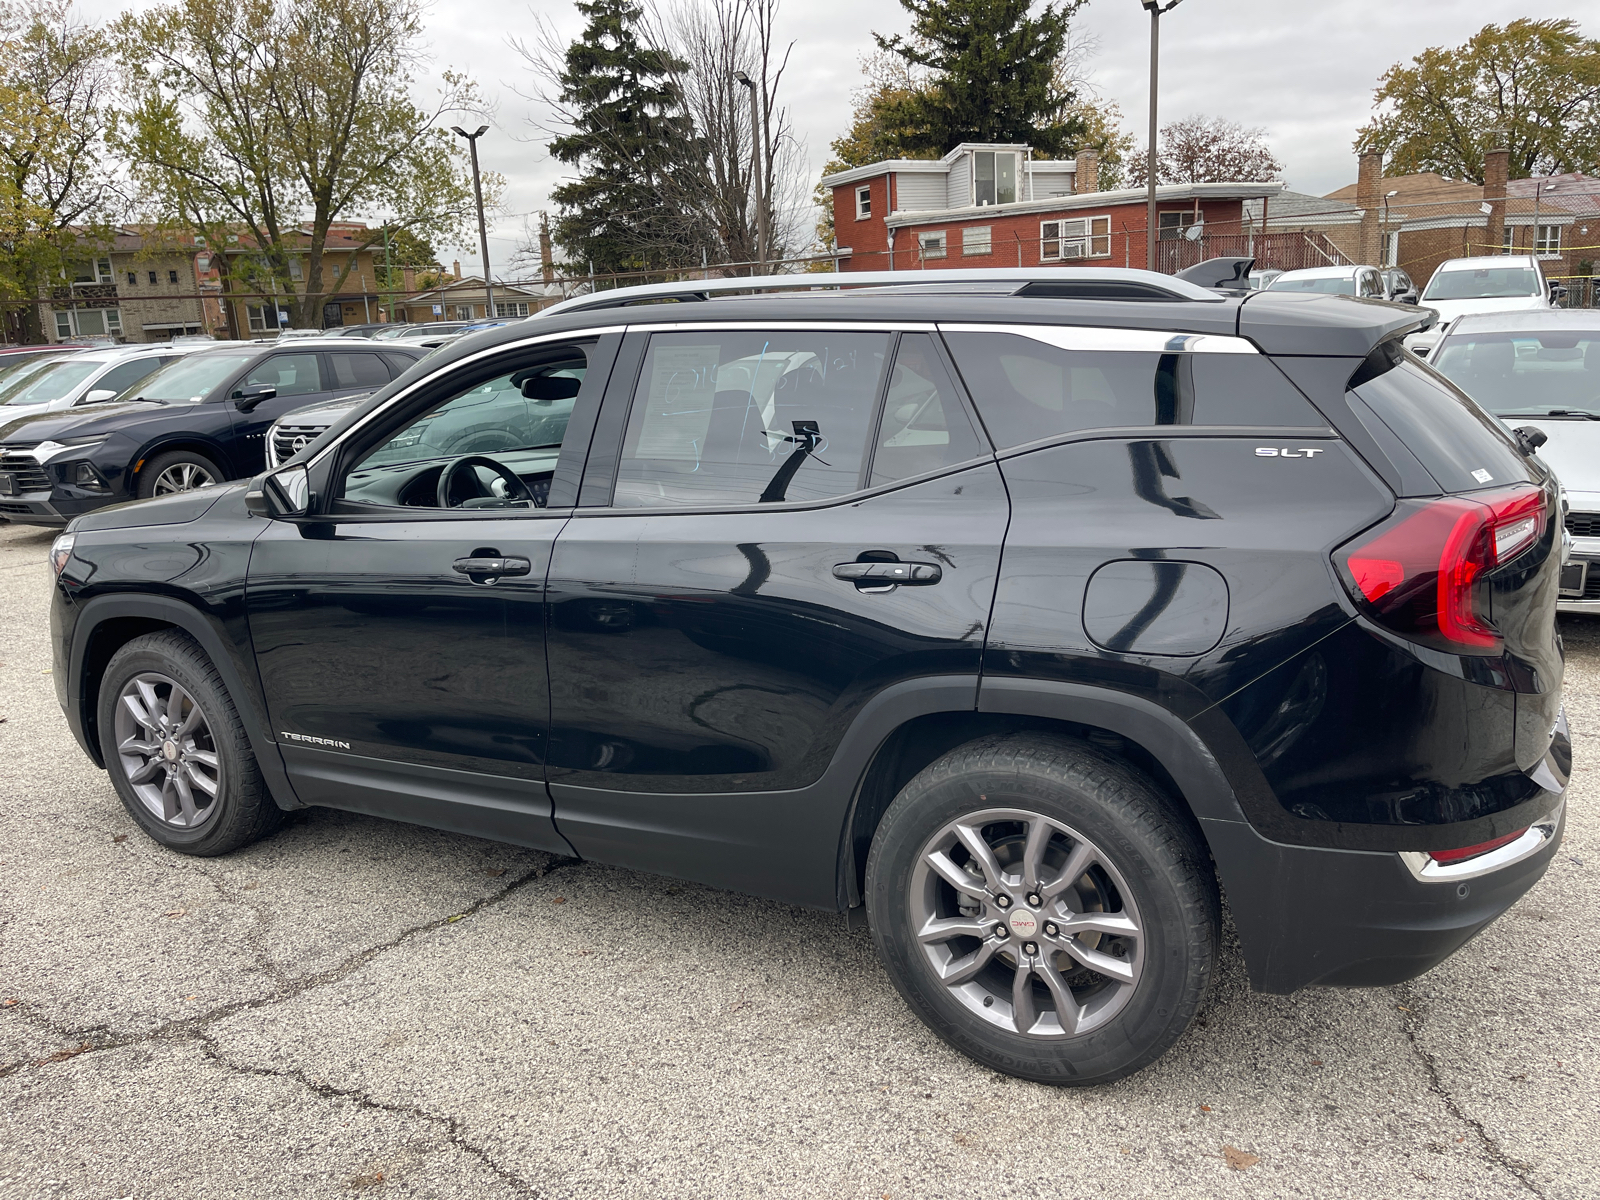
510	308
863	203
1508	240
994	177
89	322
1173	224
152	278
464	312
975	240
260	318
931	245
98	271
1391	249
133	278
1549	239
294	269
172	277
1082	237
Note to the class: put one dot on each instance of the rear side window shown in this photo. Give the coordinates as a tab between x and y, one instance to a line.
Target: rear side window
924	426
745	417
1461	445
1026	389
357	370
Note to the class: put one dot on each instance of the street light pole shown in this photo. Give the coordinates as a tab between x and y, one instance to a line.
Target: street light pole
1155	8
755	171
483	235
1383	251
1538	188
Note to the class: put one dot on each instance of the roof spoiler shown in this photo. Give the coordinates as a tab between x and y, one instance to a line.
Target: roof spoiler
1228	274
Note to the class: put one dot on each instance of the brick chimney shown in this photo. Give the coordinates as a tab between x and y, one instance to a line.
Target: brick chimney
1087	177
1369	198
547	262
455	268
1496	167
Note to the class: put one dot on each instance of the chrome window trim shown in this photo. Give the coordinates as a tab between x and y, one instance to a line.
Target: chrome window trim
1108	338
489	352
835	326
1538	835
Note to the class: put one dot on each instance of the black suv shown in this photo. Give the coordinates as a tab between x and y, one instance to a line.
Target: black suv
1020	618
194	423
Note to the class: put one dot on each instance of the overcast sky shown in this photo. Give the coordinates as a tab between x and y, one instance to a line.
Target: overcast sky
1302	70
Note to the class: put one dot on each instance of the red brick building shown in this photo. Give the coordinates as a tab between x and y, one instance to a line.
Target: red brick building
995	205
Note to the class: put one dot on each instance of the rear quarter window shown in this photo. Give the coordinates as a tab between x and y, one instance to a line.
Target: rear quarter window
1462	446
1026	390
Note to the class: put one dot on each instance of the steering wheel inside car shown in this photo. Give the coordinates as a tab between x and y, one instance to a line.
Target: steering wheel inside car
515	488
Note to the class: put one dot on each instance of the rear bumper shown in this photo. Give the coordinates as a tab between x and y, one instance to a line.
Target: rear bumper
1347	918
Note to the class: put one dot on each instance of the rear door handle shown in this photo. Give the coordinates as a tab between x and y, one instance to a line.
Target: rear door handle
884	574
494	567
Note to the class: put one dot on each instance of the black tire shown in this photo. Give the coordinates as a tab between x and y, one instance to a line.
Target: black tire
1142	855
241	811
151	473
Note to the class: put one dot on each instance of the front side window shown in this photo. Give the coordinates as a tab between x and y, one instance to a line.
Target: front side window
1482	283
739	417
931	245
863	203
977	240
514	421
1081	237
1371	286
124	375
924	426
290	374
994	177
1026	389
1528	373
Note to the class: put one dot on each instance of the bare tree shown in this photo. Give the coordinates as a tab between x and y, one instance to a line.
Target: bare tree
1200	149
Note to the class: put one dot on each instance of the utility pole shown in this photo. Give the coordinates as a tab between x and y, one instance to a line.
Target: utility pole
756	180
1155	8
483	235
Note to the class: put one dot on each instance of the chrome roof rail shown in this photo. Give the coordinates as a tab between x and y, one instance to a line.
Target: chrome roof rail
1102	283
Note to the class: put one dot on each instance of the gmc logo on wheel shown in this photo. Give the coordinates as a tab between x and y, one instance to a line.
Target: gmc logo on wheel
1285	452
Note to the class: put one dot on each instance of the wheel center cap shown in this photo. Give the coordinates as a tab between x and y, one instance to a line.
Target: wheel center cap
1023	923
169	750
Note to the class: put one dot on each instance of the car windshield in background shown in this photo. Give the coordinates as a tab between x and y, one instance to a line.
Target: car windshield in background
53	382
1335	286
188	380
1526	373
1483	283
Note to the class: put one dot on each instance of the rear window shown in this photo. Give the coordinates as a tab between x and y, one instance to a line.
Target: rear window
1462	446
1026	390
1526	373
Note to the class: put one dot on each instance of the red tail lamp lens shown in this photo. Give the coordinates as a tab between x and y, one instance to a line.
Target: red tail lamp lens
1446	857
1417	572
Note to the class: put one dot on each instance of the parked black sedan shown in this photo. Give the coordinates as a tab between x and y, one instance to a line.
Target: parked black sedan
195	423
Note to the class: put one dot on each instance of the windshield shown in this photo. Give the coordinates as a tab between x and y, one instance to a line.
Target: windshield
1484	283
1328	285
51	382
13	366
188	379
1526	373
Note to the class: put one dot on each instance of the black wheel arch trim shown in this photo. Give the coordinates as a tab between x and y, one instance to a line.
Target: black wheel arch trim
246	697
169	443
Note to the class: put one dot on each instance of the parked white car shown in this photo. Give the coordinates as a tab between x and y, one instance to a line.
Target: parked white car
86	378
1495	283
1542	368
1365	282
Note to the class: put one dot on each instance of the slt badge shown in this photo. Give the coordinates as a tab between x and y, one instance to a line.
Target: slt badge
1275	452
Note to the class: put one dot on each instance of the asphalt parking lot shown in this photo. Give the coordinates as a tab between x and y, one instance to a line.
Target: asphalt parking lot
356	1007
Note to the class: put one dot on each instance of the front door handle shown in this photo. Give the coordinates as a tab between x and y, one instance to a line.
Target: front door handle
491	568
886	574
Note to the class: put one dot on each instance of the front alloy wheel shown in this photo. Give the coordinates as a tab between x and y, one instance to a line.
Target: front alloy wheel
182	477
167	751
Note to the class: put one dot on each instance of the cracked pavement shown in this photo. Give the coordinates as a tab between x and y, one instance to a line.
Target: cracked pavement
362	1007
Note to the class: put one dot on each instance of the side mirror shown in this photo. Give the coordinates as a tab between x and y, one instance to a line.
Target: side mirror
99	394
245	399
283	493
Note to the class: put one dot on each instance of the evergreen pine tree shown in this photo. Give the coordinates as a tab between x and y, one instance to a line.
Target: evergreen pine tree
994	77
627	130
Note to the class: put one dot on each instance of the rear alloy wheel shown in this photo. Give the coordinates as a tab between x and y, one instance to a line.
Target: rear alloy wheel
1044	908
176	750
180	471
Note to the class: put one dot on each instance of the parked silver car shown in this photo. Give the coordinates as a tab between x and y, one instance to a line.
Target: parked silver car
1541	369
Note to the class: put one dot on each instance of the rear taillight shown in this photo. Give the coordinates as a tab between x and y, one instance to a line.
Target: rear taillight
1417	573
1446	857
